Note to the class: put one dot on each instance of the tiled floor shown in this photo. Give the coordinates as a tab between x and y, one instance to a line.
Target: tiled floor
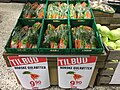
9	13
8	16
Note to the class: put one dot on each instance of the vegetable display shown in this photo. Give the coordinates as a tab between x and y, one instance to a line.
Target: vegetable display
111	38
102	7
57	10
80	10
56	37
34	10
66	28
25	37
83	37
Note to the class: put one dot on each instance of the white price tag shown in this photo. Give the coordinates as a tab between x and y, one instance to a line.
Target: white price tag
75	72
32	72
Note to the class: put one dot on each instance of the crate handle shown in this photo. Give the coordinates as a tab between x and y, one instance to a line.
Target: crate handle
56	20
81	20
13	33
31	20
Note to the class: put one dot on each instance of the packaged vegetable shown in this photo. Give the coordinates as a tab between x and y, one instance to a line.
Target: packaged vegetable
83	37
80	10
25	37
102	7
57	10
56	37
34	10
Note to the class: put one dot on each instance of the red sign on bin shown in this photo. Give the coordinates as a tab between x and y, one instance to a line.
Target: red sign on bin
76	60
17	61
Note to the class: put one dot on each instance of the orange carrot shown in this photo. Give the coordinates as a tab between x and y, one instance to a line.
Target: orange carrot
61	44
76	44
78	16
29	45
53	27
40	24
35	5
87	27
62	16
57	16
48	16
11	44
88	46
40	15
19	44
65	16
28	16
74	15
61	40
88	15
54	16
79	43
83	4
51	44
59	4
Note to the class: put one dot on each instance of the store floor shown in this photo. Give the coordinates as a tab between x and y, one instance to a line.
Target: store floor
9	13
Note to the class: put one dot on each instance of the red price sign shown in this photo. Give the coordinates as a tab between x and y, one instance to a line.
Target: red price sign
75	72
32	72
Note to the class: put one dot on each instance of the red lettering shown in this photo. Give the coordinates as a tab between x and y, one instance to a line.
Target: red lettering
75	84
67	62
32	83
16	61
38	82
35	83
61	63
78	82
72	82
85	60
75	61
24	60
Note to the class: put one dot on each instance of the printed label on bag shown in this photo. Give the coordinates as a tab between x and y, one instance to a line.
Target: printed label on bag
32	72
75	72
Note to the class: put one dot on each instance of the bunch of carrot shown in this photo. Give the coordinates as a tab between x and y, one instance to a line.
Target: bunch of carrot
25	37
56	37
80	10
34	10
83	37
57	10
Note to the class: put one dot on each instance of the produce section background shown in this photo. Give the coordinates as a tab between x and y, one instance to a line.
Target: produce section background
9	13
